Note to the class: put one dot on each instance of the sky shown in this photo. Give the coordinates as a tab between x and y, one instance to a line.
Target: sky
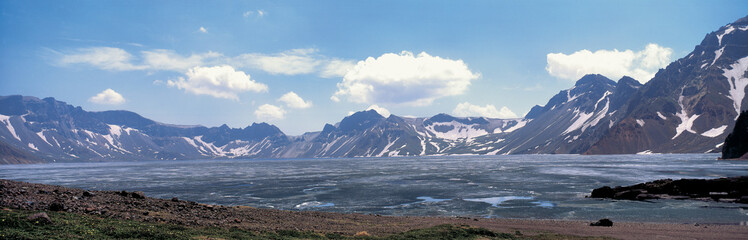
301	64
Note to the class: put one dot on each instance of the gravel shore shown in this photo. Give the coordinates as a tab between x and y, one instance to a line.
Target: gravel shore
137	206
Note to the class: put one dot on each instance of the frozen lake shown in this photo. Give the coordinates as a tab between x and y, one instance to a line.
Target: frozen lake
515	186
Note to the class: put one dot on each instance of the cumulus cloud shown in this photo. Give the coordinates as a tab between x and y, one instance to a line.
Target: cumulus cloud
107	97
292	100
381	110
203	30
219	81
106	58
269	112
404	78
336	68
467	109
641	65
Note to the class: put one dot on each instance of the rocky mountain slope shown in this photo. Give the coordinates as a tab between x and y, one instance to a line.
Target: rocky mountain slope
691	105
34	130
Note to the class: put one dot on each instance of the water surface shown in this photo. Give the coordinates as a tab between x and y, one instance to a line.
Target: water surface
515	186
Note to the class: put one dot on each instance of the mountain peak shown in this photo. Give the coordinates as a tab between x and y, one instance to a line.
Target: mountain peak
626	80
594	79
360	120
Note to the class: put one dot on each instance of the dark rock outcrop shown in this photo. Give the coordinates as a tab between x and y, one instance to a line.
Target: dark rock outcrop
734	189
602	223
736	144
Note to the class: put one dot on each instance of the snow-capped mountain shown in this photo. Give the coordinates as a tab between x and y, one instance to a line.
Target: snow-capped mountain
33	129
55	131
691	105
573	119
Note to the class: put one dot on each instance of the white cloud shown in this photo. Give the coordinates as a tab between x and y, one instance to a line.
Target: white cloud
162	59
106	58
108	97
641	65
405	79
267	112
466	109
291	62
293	100
336	68
381	110
219	81
203	30
259	13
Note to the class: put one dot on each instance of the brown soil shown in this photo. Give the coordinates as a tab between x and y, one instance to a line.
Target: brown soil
135	206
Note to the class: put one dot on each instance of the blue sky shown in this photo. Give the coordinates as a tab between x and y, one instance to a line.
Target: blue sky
236	62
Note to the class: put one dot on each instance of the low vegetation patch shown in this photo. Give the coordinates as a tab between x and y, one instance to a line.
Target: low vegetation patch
15	224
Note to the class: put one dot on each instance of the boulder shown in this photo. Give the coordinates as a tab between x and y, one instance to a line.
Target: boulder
40	218
56	206
603	192
602	223
137	195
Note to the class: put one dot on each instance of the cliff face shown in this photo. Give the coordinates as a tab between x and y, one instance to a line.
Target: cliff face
736	144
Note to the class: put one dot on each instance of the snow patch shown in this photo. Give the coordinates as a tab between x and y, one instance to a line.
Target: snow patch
661	116
582	118
715	132
6	120
115	130
727	31
640	122
686	122
41	135
519	125
737	81
645	152
458	131
31	145
717	54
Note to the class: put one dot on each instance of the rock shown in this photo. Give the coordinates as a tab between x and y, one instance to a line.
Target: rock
56	206
645	196
40	218
736	143
602	223
88	194
175	199
603	192
628	194
137	195
693	189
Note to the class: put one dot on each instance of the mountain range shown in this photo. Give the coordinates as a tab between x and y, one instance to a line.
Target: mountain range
688	107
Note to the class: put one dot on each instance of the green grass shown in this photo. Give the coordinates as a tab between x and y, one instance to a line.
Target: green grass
14	225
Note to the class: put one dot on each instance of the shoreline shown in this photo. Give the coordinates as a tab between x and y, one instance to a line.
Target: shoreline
136	206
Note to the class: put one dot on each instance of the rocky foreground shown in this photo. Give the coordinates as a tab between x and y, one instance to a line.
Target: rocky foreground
734	189
137	206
